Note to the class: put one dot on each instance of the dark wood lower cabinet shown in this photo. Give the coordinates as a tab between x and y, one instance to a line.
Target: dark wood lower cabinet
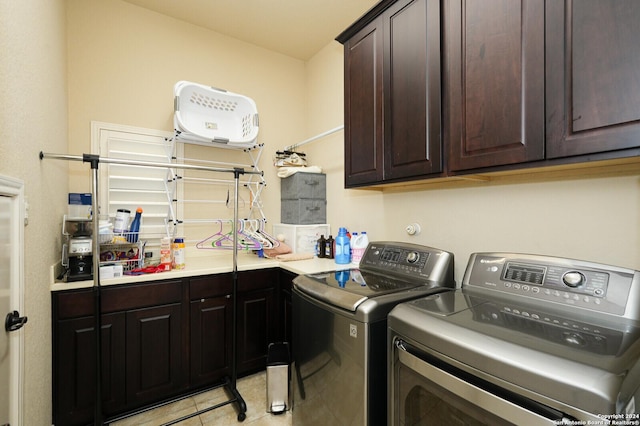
154	354
74	348
211	312
256	318
159	340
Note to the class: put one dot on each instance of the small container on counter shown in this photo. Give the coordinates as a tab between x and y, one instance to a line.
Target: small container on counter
330	247
178	253
121	224
165	254
321	247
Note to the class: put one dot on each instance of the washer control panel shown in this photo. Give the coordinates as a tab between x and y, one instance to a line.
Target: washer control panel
574	283
410	261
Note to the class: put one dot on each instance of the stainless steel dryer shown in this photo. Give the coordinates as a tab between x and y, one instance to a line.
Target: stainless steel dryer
526	340
340	330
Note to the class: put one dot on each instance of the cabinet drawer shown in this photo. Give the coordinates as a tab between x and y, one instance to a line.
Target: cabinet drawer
74	304
303	212
257	279
210	286
123	298
303	185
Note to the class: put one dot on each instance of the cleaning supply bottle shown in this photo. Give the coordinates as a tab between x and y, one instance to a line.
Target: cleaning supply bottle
134	229
343	248
359	244
321	247
330	247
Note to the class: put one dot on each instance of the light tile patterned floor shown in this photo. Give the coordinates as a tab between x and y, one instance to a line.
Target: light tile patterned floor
251	388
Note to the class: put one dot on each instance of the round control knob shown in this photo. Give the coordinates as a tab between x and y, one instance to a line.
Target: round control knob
574	339
412	257
573	279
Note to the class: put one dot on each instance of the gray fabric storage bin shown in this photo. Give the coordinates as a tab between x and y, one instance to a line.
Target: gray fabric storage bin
303	212
304	185
303	199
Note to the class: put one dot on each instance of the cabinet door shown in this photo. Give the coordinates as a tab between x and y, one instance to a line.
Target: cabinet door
75	365
211	325
284	307
257	319
412	111
593	76
256	328
363	155
494	82
154	353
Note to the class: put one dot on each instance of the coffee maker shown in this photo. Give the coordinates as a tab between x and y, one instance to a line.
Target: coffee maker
77	250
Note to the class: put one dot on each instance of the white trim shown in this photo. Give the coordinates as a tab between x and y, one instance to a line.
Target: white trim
14	189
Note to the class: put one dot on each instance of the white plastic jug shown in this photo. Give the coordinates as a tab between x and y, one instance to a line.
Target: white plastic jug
359	244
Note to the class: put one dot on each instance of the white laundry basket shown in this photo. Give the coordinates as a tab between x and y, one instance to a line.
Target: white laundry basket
209	116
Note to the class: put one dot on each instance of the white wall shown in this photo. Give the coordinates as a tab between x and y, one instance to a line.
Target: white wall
33	117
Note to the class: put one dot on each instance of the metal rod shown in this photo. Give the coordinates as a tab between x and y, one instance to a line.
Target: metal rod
98	414
321	135
89	157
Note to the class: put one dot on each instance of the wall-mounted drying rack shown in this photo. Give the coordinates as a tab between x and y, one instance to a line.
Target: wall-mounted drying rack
94	161
254	183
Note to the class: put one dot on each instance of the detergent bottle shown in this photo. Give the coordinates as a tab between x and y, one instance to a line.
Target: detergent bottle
343	247
359	244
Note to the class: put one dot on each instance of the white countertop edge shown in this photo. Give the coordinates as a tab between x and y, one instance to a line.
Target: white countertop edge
208	265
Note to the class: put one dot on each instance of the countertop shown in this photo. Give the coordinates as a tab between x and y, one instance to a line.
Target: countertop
207	264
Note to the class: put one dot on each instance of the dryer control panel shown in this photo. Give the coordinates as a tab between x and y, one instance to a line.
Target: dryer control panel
569	282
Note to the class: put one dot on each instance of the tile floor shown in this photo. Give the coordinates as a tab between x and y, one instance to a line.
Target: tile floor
251	388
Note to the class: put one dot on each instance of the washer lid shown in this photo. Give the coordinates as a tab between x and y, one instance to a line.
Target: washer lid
348	289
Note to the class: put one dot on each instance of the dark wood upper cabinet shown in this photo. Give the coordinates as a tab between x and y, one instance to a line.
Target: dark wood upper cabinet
392	93
525	83
412	109
493	82
592	76
363	106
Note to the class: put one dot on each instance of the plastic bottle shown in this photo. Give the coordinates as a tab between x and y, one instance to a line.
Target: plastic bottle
122	221
343	248
178	253
359	244
351	238
321	247
331	245
134	229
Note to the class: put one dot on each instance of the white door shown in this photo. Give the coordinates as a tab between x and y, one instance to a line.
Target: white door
11	280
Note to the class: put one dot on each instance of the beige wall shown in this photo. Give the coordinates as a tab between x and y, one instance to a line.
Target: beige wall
590	219
33	117
124	61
